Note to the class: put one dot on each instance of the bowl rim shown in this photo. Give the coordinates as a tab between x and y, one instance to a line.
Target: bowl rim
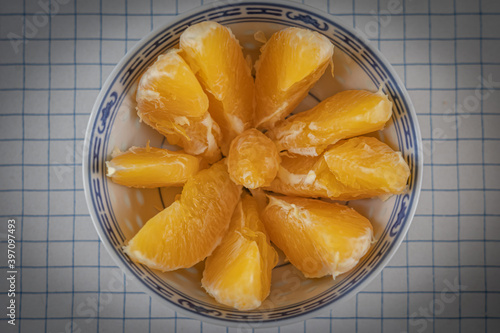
275	322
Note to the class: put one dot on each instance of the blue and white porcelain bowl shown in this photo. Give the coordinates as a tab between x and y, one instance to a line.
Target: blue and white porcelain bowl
119	212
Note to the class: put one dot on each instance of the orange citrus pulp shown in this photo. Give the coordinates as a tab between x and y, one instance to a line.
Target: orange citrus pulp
344	115
253	159
215	56
188	230
290	63
238	273
319	238
171	100
151	167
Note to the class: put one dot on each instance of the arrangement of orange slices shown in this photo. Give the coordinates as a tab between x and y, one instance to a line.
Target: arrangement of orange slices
235	135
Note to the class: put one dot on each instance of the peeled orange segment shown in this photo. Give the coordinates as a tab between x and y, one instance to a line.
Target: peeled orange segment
215	56
367	164
344	115
151	167
246	215
357	168
189	229
238	273
298	176
319	238
171	100
253	159
170	86
290	63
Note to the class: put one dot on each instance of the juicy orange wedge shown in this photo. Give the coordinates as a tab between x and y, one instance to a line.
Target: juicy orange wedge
369	165
319	238
357	168
171	100
344	115
189	229
151	167
169	86
238	273
290	63
253	159
216	57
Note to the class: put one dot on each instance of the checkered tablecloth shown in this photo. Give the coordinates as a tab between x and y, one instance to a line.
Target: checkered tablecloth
445	277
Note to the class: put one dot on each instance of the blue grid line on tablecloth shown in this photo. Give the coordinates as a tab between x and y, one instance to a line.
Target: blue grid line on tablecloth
457	159
334	321
22	168
483	162
458	195
431	157
48	185
74	177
